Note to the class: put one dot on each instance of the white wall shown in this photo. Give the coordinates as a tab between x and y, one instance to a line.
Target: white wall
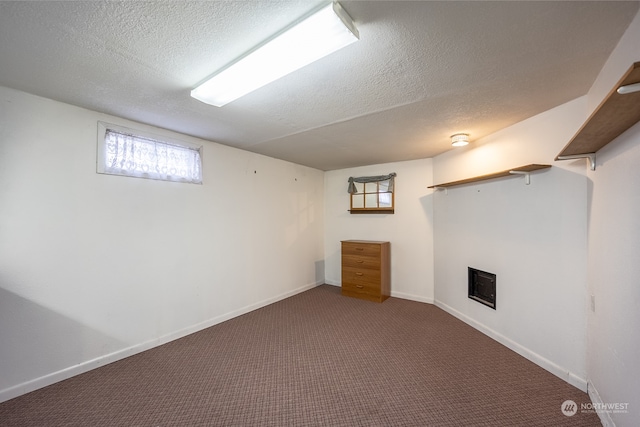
533	237
409	229
614	254
96	267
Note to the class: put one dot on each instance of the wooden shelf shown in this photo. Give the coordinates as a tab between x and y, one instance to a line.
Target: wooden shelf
614	115
522	170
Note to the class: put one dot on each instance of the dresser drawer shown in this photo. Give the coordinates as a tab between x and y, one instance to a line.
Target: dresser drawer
360	249
355	261
360	276
366	291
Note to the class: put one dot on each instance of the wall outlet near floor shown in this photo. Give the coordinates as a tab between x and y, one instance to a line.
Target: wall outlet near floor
593	303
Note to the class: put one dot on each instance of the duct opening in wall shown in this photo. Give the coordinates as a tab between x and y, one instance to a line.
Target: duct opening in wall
482	287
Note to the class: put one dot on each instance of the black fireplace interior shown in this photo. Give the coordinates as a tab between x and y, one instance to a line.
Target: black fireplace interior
482	287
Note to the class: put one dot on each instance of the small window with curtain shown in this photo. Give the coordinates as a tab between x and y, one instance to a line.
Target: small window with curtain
127	152
372	194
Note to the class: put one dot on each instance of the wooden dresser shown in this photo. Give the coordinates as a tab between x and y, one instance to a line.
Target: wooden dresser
366	272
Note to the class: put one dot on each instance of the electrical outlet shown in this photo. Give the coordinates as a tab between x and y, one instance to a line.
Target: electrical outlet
593	303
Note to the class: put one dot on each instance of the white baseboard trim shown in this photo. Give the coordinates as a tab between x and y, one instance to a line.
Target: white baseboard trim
605	417
66	373
411	297
539	360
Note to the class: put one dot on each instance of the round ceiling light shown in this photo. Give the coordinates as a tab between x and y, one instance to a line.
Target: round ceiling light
459	139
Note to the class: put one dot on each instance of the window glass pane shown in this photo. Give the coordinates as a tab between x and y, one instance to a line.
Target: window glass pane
375	196
123	152
371	187
385	200
357	201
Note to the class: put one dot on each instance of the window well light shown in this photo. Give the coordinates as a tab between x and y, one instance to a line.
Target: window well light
459	139
315	36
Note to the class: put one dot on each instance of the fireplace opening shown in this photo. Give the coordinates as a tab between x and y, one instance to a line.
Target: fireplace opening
482	287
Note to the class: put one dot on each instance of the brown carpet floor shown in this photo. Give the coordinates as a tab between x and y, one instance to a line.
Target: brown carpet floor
315	359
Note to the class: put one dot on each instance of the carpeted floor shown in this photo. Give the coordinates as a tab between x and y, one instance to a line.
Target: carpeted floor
315	359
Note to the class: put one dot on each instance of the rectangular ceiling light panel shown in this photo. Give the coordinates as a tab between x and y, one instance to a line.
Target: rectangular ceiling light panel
326	31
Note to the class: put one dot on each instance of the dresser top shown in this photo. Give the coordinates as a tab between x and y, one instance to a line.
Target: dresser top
363	241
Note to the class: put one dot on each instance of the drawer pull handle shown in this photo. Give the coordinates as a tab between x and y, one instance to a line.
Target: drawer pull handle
359	286
358	274
360	261
359	249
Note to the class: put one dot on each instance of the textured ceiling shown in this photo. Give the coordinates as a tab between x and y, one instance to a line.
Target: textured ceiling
420	72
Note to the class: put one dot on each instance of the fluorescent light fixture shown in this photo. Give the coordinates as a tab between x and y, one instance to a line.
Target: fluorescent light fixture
635	87
459	139
315	36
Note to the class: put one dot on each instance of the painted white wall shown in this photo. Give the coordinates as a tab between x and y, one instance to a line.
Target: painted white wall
409	229
613	254
533	237
96	267
614	278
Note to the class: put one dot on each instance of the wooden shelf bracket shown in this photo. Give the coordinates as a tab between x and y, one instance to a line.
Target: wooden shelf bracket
590	156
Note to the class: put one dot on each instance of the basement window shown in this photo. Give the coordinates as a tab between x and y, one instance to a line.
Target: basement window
372	194
128	152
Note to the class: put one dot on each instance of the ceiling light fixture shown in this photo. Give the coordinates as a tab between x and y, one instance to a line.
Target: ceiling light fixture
635	87
459	139
313	37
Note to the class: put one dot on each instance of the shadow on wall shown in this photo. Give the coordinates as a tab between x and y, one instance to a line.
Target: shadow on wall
36	341
320	271
426	202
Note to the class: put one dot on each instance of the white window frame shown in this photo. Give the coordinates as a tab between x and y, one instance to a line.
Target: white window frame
102	168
